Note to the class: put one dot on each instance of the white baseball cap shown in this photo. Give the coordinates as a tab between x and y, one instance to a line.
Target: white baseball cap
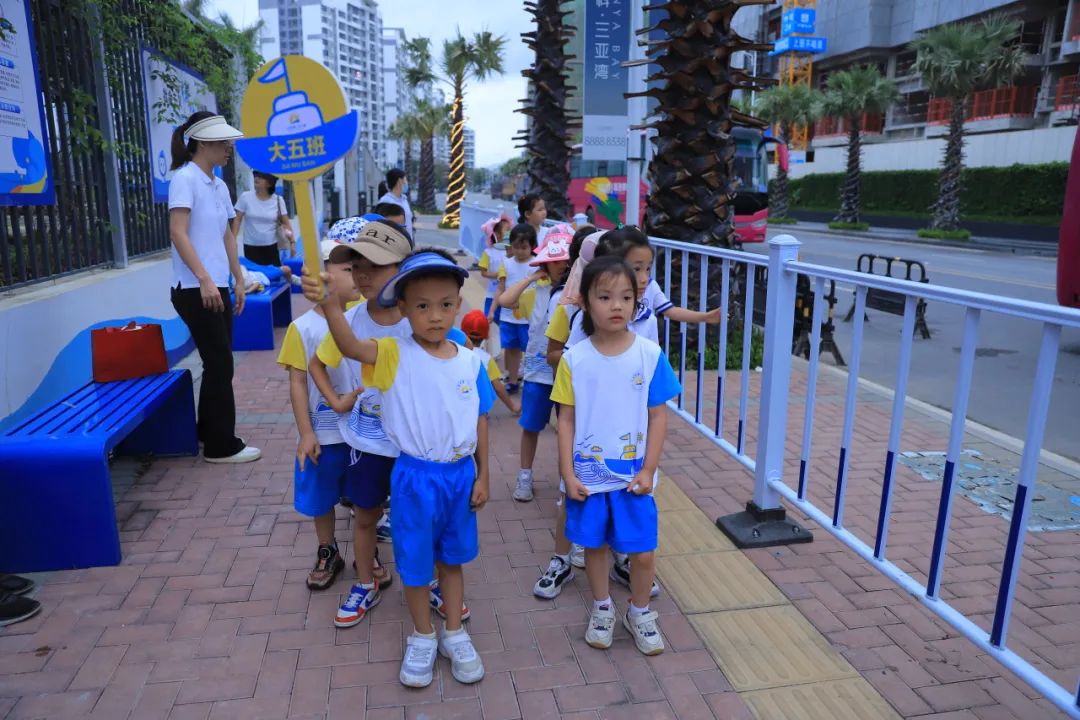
213	128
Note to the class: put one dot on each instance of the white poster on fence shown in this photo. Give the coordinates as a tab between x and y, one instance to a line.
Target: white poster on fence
24	151
173	92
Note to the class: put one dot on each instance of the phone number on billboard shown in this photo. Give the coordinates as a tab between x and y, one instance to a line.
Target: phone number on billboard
604	141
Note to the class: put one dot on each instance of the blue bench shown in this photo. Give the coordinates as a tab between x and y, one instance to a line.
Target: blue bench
56	497
253	329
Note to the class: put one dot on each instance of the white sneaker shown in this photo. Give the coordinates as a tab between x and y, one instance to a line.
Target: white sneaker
646	633
577	556
551	583
465	663
524	490
419	661
248	454
601	627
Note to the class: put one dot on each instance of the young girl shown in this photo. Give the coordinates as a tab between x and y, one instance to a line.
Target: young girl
533	296
612	388
494	232
533	211
514	328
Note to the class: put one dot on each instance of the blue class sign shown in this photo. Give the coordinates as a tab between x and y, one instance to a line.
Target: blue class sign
798	43
295	120
798	21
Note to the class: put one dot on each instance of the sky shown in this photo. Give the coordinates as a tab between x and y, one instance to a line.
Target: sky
489	106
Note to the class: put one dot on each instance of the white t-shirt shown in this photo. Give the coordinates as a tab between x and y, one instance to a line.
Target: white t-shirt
211	209
537	303
363	427
655	299
430	405
403	201
611	398
653	303
491	260
301	340
261	217
515	271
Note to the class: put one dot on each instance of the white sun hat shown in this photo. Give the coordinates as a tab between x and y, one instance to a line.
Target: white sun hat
213	128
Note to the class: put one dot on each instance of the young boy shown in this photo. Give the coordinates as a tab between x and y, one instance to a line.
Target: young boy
514	326
392	212
476	327
321	454
533	297
435	400
375	252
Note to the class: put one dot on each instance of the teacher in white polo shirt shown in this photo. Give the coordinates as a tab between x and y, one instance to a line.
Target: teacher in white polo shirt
204	255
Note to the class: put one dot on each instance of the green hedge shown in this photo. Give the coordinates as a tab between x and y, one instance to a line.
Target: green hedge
1014	191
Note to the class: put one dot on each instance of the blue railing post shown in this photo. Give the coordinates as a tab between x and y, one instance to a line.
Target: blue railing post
764	522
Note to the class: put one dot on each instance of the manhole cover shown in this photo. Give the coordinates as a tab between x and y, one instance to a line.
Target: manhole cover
991	485
989	352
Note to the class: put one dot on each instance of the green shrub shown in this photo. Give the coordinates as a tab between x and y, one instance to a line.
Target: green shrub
944	234
849	226
783	221
1017	191
734	351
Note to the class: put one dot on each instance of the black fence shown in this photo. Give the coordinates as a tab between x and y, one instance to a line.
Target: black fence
43	242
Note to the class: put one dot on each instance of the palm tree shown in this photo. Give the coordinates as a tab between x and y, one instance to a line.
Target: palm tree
787	106
692	173
849	95
956	60
406	131
547	140
430	120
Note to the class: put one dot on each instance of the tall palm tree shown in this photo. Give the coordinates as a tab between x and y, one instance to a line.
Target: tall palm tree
405	130
692	173
956	60
849	95
787	106
431	121
548	141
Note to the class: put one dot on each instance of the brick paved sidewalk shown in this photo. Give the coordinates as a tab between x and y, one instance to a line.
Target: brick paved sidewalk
208	615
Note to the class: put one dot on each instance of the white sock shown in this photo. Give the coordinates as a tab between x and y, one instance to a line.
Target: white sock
635	610
602	604
368	586
451	633
426	636
525	472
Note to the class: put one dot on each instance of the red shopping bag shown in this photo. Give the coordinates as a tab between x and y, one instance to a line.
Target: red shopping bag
132	351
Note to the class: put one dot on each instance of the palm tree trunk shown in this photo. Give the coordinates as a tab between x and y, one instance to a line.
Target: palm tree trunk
427	173
946	211
408	155
780	202
455	193
851	190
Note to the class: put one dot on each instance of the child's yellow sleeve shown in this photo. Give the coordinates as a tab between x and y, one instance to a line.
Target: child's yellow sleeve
484	262
328	352
493	370
558	328
502	272
293	355
381	375
562	391
526	303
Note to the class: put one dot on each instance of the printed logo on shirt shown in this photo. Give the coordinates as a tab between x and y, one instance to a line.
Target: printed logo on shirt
464	389
638	381
366	420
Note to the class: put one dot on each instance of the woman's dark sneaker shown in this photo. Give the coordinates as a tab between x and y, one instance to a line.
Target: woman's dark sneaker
15	585
16	608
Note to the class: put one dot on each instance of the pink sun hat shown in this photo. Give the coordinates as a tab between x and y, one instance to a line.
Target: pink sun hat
556	246
489	227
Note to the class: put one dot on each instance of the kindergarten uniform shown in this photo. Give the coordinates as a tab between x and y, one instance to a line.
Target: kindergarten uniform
319	486
430	410
371	456
537	303
487	362
566	326
514	328
610	437
491	260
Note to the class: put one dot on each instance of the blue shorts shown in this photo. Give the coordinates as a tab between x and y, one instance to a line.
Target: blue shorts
318	487
536	405
367	481
487	309
622	520
433	519
514	336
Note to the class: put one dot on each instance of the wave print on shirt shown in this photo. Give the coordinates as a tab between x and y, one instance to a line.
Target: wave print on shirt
366	421
324	418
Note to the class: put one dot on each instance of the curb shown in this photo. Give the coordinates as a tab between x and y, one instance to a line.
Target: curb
1002	245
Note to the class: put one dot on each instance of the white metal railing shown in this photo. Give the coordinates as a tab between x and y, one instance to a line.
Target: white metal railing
768	463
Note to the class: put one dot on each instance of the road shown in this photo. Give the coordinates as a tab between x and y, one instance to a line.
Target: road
1007	347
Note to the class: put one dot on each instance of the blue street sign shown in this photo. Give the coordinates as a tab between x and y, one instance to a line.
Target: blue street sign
797	43
800	21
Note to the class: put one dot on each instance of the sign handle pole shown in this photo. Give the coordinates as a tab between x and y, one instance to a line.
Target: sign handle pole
304	192
637	108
